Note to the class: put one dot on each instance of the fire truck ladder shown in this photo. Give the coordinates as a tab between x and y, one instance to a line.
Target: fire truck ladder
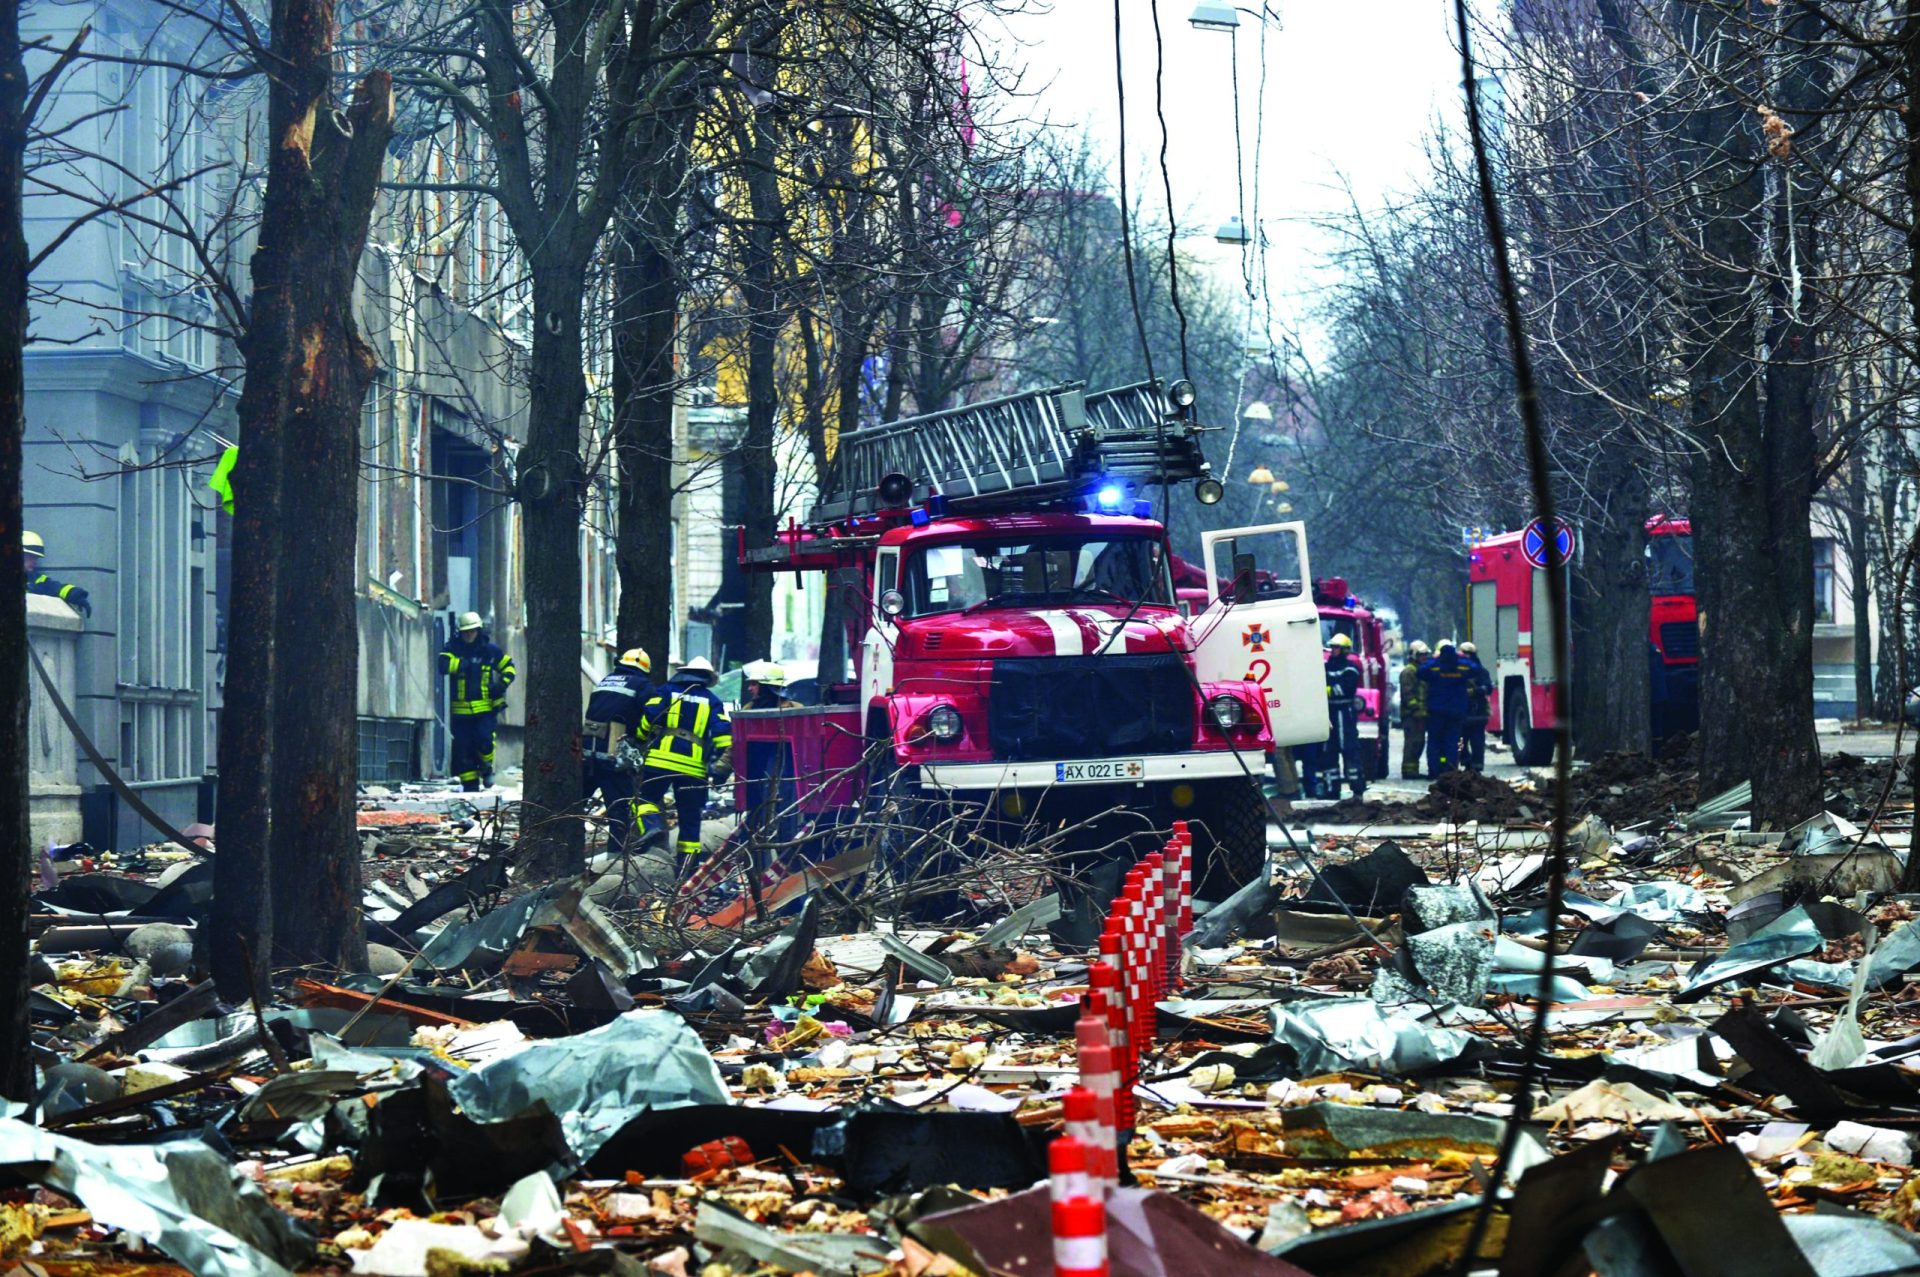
1025	450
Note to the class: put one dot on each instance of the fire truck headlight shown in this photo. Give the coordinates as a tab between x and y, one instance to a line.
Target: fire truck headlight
1209	491
1228	712
944	722
893	603
1181	393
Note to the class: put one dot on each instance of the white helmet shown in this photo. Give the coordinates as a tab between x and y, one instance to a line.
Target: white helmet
469	621
766	673
700	666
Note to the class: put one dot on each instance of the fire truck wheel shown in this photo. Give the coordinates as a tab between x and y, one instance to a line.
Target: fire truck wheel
1530	748
1230	843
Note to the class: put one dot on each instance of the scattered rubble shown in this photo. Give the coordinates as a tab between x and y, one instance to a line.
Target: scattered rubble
574	1076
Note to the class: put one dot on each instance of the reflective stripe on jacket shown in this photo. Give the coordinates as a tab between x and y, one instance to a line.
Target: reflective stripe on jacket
1413	693
686	728
480	674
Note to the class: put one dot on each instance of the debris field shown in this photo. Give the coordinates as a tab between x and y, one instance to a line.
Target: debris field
565	1076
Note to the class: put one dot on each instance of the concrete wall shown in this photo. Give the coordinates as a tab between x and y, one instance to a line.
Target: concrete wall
53	771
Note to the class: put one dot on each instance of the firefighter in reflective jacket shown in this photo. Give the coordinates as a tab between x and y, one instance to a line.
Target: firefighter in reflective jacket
1413	712
688	738
479	674
1343	717
609	739
32	550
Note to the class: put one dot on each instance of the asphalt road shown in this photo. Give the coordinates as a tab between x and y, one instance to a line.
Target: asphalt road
1863	743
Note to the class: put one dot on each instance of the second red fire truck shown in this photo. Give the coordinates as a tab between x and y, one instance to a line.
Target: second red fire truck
1507	620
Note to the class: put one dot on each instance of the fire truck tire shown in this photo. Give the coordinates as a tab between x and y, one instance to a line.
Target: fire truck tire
1530	748
1230	841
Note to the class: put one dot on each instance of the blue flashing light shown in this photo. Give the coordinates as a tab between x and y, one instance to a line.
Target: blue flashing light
1110	496
921	518
1143	509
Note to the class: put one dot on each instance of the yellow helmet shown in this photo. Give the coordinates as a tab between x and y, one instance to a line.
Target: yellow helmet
1340	642
638	658
31	543
469	621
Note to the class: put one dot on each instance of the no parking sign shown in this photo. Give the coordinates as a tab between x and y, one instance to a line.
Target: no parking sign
1534	542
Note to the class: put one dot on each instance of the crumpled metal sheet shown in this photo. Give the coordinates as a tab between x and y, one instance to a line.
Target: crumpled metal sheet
1791	935
486	941
1853	1245
599	1080
1332	1034
829	1254
184	1198
1660	901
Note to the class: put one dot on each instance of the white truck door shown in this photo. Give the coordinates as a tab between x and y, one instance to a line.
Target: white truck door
1272	641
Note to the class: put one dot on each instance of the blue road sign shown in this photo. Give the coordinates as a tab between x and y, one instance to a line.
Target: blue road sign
1533	543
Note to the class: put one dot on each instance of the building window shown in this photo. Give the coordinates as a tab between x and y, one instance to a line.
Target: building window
1823	579
160	623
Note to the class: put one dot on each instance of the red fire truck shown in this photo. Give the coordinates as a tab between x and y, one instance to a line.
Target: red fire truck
1507	621
1342	613
1019	644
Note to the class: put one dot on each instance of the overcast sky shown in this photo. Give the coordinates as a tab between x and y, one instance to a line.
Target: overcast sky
1352	86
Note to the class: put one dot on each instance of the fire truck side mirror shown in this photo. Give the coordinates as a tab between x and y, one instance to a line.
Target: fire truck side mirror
894	490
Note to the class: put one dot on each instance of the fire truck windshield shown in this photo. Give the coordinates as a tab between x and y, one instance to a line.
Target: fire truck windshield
965	576
1332	625
1670	564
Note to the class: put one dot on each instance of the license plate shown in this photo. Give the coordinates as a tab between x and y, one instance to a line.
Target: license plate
1096	770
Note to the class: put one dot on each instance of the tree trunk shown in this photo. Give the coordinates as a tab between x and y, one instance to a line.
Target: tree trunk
645	309
16	1070
758	462
306	370
1752	481
317	911
1910	118
1610	622
1860	566
550	500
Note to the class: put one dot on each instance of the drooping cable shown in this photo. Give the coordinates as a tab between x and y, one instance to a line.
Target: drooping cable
1126	213
1166	182
1527	394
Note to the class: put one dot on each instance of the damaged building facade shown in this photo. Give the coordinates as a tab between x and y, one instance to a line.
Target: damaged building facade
131	394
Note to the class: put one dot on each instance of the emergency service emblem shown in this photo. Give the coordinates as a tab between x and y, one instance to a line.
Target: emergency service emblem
1257	637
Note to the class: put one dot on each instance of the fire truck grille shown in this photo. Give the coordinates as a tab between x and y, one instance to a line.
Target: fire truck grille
1090	707
1680	640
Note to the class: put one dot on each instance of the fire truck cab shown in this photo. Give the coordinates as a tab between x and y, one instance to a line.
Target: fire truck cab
1019	644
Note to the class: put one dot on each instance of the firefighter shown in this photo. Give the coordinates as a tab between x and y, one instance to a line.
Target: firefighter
479	674
1447	681
1473	732
32	550
608	737
688	738
1413	712
1344	749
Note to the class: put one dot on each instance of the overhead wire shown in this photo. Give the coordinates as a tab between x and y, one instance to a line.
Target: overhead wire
1538	470
1126	213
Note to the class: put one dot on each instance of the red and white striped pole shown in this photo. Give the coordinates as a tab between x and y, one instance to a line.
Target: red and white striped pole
1082	1112
1114	977
1098	1078
1170	903
1079	1218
